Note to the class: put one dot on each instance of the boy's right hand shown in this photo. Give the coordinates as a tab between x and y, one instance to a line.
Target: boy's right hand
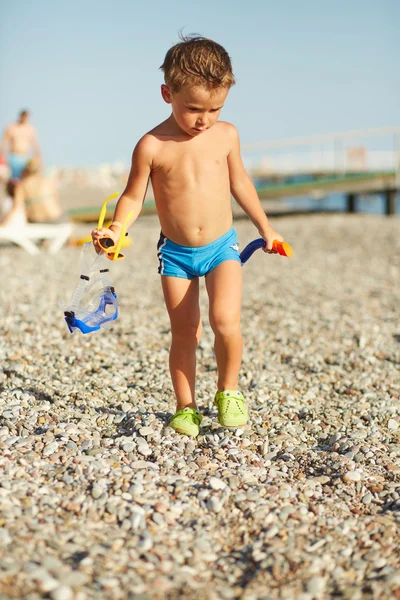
97	234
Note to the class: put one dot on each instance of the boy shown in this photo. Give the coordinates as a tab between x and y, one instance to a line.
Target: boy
194	164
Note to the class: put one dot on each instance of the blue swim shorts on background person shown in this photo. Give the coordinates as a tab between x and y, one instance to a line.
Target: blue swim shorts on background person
17	163
188	263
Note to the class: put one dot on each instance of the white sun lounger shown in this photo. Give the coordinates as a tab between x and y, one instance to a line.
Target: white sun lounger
28	235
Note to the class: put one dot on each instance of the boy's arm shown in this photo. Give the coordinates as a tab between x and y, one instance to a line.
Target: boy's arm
132	197
244	192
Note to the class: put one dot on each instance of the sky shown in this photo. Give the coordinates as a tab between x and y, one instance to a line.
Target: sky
88	70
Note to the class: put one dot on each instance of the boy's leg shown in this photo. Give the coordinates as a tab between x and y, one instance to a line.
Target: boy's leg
224	287
182	302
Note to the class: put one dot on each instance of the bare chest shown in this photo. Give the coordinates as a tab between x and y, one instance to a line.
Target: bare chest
21	133
190	159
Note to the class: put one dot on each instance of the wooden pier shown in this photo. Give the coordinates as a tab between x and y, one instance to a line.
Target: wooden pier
351	163
320	186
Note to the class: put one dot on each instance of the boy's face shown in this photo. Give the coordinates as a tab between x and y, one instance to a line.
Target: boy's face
195	109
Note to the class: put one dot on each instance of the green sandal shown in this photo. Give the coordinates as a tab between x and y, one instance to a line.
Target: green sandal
186	421
232	411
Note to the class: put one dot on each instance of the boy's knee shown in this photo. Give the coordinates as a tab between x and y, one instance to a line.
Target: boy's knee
187	331
225	324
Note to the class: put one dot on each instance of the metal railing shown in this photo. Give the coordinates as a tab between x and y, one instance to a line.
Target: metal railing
349	151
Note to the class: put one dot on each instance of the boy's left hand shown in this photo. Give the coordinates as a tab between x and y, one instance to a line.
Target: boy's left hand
269	235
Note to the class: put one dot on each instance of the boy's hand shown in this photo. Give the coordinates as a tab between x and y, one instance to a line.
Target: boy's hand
97	234
269	235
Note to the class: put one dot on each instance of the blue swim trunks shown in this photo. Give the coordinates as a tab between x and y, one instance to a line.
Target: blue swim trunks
189	263
17	163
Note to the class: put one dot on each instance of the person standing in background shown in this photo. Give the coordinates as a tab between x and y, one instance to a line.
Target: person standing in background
19	144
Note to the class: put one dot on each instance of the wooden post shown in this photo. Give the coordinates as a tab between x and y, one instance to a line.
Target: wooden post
351	203
390	202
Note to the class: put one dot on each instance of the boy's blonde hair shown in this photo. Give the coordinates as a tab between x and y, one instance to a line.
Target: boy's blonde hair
197	61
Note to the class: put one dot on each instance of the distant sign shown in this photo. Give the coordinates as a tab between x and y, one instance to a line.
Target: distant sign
356	159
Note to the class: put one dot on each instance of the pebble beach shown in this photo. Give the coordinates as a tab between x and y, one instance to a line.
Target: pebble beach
100	499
